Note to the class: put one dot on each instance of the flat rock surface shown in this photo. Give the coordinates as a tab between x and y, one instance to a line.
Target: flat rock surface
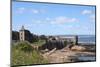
64	55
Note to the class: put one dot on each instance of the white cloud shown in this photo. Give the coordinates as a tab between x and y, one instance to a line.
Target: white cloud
57	20
85	12
20	10
92	18
48	19
42	11
63	19
35	11
90	14
38	22
73	20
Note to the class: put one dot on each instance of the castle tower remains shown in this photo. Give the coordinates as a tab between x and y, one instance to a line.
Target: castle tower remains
22	34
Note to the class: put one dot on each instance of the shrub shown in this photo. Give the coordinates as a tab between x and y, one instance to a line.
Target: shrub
24	46
20	57
65	43
23	54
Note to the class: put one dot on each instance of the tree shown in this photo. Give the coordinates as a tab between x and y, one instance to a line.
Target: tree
35	38
43	37
15	35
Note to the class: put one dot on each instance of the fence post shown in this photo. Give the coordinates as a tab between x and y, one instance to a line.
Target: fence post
76	37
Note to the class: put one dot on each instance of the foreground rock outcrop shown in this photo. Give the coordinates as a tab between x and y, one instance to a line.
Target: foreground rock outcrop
78	48
74	54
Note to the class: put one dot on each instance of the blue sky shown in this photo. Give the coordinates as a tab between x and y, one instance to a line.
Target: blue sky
53	19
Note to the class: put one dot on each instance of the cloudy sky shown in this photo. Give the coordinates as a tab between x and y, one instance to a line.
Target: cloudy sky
53	19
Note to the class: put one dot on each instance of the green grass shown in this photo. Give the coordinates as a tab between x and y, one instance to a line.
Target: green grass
20	57
39	43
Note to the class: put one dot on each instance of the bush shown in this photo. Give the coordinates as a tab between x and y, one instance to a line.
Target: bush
65	43
19	57
23	54
24	46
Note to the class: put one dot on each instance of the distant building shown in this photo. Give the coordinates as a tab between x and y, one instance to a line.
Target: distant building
25	35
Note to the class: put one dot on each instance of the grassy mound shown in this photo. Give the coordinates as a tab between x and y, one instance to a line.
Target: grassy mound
23	54
24	46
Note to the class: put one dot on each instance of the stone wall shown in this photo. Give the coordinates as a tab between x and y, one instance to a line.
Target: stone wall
52	43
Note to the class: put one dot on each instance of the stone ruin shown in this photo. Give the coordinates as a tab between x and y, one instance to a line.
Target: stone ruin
59	43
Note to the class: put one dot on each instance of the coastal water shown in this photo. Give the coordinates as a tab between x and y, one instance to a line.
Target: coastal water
87	58
86	39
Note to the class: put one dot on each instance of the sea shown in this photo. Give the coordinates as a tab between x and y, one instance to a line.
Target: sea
87	39
91	39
